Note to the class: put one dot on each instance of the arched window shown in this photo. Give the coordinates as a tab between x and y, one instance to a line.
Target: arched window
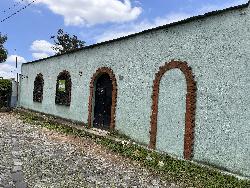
38	88
63	88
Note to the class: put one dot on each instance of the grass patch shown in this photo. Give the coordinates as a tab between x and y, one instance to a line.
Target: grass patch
178	171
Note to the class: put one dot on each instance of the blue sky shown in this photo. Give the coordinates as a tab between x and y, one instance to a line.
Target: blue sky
91	20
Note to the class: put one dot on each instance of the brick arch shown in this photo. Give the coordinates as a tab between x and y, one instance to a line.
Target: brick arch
96	75
190	105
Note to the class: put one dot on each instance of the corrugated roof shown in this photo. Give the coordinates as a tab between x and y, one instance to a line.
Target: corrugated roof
152	29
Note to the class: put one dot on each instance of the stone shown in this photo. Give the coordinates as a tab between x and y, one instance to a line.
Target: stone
17	162
21	185
17	176
53	156
16	153
16	168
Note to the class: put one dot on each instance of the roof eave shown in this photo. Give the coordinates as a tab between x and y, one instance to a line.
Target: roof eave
190	19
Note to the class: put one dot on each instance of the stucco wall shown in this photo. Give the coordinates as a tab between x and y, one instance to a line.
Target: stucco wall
14	94
217	48
171	113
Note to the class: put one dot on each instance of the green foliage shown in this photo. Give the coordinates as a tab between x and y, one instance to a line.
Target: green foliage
116	134
5	92
65	43
5	85
3	51
179	171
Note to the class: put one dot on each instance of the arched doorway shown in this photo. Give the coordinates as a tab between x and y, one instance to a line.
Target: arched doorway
190	105
103	102
102	99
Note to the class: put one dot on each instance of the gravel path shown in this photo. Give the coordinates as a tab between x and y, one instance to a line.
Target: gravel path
31	156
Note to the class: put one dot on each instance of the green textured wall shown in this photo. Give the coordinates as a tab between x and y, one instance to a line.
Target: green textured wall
217	48
171	113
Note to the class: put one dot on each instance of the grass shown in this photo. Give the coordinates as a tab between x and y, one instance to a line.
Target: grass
178	171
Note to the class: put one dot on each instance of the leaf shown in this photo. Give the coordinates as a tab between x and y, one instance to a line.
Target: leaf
3	51
65	43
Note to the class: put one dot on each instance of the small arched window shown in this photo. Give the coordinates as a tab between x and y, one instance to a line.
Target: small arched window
63	88
38	88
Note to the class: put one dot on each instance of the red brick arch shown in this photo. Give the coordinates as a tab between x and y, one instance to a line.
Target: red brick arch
190	105
98	73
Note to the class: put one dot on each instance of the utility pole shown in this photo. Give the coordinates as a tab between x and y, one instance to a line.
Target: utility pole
17	75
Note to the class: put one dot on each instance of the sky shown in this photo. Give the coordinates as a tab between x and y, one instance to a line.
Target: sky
93	21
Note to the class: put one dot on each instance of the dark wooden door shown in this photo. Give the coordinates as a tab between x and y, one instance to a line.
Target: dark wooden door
103	102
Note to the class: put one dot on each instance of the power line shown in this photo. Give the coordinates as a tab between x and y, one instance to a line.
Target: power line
13	6
21	9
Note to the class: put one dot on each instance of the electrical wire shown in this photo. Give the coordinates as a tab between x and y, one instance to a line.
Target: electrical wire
13	6
19	10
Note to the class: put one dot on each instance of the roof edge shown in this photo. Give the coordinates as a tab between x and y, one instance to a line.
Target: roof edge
187	20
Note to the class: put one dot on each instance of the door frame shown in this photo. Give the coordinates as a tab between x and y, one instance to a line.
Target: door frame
190	105
96	75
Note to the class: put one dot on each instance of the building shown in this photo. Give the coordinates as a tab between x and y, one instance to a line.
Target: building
182	88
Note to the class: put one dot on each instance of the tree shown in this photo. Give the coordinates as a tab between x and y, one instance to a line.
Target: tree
3	51
65	43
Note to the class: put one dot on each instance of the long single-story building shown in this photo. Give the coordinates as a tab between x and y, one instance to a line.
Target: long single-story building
182	88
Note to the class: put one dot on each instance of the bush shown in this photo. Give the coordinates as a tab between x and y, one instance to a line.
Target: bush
5	93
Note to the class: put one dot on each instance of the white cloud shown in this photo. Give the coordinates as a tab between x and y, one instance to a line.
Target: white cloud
91	12
8	68
135	27
37	11
40	55
42	49
126	29
42	46
5	67
12	59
